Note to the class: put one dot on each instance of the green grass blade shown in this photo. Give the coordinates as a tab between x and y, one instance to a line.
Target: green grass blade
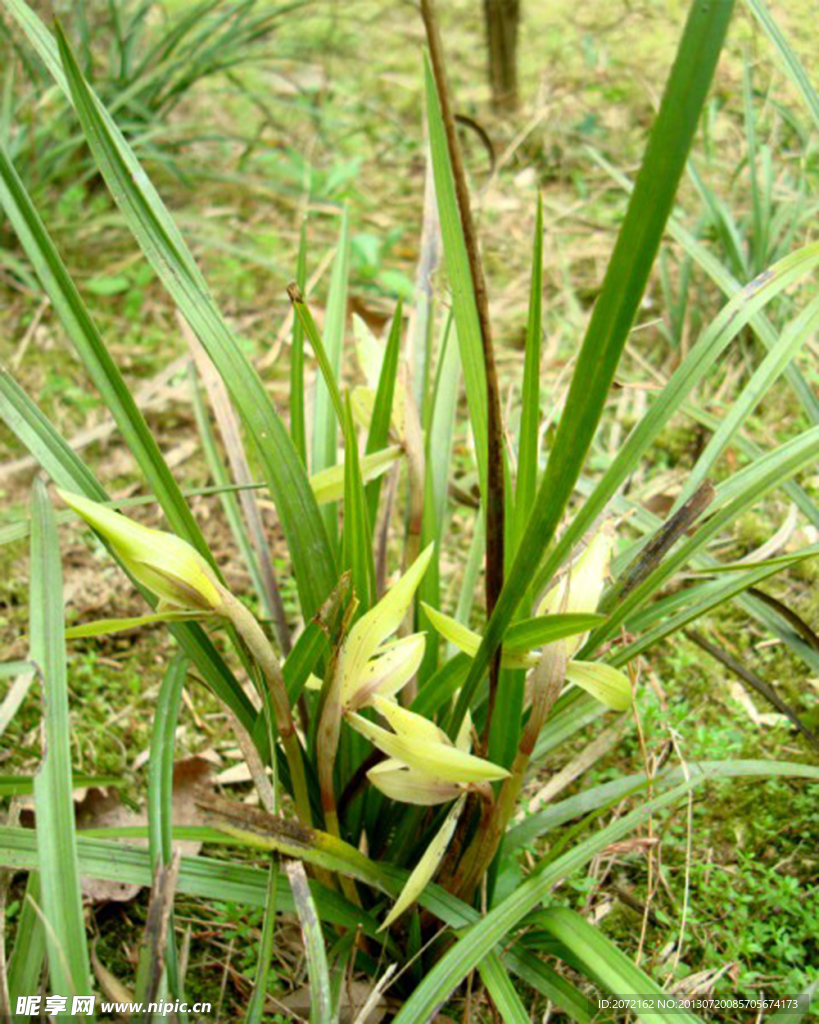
325	420
68	961
613	315
313	561
379	432
729	286
357	538
297	421
91	348
793	66
25	965
160	793
46	48
68	471
497	926
502	991
604	962
256	1006
795	335
733	498
464	307
592	799
203	877
526	484
321	1010
735	315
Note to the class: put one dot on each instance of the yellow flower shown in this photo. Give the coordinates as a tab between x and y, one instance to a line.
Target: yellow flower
420	744
371	666
167	565
398	781
578	592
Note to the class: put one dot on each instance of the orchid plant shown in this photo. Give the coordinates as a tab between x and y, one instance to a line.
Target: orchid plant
398	737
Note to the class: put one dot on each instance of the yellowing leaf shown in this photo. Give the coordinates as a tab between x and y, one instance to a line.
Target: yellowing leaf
604	682
424	871
165	564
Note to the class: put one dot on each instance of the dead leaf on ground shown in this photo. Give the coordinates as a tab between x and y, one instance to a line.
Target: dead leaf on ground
104	809
353	998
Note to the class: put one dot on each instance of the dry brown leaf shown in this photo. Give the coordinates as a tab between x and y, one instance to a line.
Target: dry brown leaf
353	998
104	809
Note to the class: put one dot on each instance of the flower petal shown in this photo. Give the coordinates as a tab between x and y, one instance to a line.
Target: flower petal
437	759
424	871
409	786
385	674
372	629
468	641
604	682
581	588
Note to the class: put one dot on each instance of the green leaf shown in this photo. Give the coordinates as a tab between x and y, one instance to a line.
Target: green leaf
529	432
317	969
256	1006
91	348
464	307
793	67
69	471
23	785
357	545
325	420
54	806
733	497
498	924
605	963
160	793
595	797
297	422
737	313
307	541
378	436
791	340
614	311
25	965
104	627
502	990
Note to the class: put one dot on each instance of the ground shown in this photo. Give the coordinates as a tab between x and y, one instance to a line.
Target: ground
332	119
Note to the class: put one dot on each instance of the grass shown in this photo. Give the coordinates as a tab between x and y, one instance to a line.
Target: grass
603	86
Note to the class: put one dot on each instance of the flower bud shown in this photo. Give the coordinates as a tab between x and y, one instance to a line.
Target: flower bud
167	565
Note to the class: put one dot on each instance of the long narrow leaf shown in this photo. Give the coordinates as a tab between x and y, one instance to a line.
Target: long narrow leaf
307	539
62	898
614	312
